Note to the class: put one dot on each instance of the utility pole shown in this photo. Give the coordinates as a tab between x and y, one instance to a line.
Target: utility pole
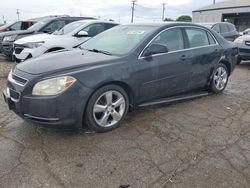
3	19
214	1
163	11
18	13
133	9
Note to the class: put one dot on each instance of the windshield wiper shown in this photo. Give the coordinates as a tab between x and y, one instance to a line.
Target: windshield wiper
100	51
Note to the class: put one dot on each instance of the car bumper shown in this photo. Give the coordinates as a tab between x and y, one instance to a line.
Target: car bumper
244	52
21	53
65	110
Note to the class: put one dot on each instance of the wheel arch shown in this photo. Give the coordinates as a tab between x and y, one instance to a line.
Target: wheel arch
227	64
123	85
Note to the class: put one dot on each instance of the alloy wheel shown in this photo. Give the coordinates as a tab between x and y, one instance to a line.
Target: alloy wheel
109	108
220	78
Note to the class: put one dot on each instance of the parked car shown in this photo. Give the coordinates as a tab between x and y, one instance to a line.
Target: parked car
125	67
246	32
19	25
48	25
68	37
227	30
243	43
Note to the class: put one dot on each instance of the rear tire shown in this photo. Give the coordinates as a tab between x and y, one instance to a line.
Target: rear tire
106	108
219	79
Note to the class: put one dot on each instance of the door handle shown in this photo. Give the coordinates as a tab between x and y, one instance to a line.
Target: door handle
183	57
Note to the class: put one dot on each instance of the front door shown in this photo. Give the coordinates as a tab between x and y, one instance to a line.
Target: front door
171	69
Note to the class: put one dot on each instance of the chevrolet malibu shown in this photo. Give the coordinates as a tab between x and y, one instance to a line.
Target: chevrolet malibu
122	68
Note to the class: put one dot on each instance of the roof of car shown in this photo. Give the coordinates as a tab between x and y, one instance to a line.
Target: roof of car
162	24
96	21
213	23
68	18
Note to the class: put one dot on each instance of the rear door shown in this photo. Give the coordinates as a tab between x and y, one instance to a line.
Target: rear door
205	52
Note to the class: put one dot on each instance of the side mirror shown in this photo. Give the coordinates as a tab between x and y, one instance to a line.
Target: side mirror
155	49
82	34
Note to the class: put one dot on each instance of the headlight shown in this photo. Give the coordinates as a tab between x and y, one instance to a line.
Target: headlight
239	41
33	44
9	38
53	86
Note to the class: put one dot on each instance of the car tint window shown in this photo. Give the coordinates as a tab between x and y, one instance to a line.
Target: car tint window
69	28
94	29
231	27
216	28
197	37
109	25
223	28
172	39
211	39
55	25
25	25
16	26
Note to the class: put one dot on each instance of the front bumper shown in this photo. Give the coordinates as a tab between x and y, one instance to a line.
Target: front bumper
244	52
7	49
64	110
21	53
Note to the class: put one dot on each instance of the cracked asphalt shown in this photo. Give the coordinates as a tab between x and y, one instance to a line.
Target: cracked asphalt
198	143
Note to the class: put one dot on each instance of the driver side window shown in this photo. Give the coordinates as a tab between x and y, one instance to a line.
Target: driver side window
172	39
16	26
94	29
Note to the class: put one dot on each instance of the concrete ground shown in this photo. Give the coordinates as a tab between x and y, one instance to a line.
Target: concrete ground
199	143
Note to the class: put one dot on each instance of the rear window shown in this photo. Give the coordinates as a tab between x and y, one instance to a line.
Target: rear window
216	28
231	27
197	37
224	28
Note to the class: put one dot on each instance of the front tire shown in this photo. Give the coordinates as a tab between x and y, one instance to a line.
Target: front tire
106	108
239	61
219	79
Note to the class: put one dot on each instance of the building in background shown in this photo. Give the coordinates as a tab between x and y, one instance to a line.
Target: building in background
233	11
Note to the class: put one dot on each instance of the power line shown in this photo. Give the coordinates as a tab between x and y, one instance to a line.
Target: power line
133	9
163	11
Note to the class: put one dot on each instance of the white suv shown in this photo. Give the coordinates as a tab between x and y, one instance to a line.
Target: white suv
68	37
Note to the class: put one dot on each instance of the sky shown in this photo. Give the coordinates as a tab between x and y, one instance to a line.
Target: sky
118	10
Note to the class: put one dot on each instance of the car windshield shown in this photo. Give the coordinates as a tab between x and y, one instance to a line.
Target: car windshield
39	25
119	40
68	28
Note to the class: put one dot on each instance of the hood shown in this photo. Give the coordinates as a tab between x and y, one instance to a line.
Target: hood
36	38
19	32
245	37
64	60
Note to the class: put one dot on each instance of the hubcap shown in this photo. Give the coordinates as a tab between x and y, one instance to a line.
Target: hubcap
109	108
220	78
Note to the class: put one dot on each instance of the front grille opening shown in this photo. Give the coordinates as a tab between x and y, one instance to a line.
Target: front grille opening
14	95
19	79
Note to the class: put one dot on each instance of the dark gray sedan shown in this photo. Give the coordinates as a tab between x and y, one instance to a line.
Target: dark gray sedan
125	67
